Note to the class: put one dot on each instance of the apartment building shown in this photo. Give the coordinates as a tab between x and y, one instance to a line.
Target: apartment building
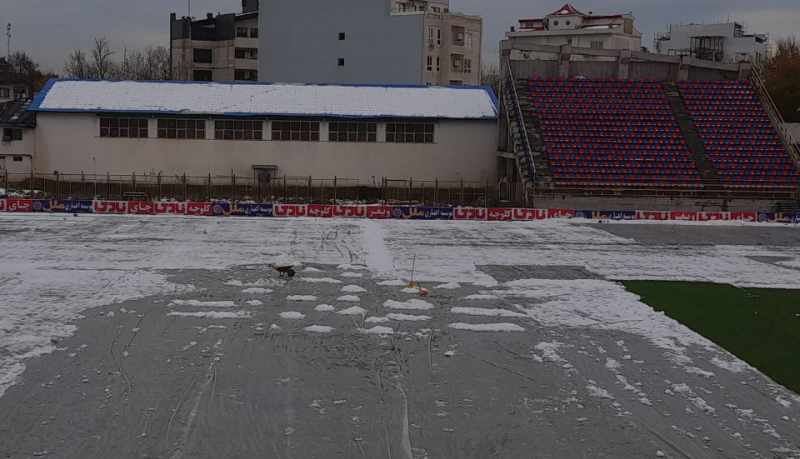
725	42
370	42
217	48
569	26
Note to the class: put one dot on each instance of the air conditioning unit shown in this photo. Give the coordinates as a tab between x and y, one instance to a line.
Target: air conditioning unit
431	45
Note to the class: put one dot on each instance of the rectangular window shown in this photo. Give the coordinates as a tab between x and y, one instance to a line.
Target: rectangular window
203	56
12	134
241	32
17	159
202	75
467	65
238	130
597	45
410	132
245	75
430	63
5	93
246	53
352	132
124	128
469	40
342	36
437	64
253	33
299	131
181	128
341	62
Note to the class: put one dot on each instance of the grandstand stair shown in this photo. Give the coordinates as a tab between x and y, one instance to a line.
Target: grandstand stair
689	131
544	177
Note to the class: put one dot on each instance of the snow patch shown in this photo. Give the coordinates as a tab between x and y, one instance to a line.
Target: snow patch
377	331
318	329
301	298
597	392
349	299
413	304
352	275
254	303
321	280
501	327
481	296
324	308
376	320
256	291
487	312
449	286
354	311
204	304
212	315
292	315
392	283
353	289
407	318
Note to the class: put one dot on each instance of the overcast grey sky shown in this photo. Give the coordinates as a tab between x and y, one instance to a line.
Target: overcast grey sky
50	29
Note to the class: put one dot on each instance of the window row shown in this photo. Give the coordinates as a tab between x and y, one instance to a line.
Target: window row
302	131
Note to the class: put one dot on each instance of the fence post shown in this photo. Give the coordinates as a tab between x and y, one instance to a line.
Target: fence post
410	191
285	190
233	179
462	193
133	181
335	190
210	191
83	184
158	186
486	194
310	196
185	197
56	176
5	179
258	185
436	192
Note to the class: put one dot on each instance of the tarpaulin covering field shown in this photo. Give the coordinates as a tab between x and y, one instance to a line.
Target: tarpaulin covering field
172	336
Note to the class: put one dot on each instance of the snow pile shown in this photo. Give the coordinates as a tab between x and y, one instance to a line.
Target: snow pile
256	291
318	329
481	296
376	320
212	315
449	286
311	269
597	392
321	280
377	331
349	299
352	275
393	283
255	303
349	267
292	315
353	289
202	304
487	327
324	308
413	304
354	311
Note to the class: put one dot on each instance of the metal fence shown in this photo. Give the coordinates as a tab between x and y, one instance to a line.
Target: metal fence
294	190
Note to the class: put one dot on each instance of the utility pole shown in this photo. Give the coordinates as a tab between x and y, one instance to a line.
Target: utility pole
8	34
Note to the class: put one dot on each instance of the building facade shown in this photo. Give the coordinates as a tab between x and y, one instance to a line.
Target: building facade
727	42
369	42
17	140
217	48
570	27
362	133
12	85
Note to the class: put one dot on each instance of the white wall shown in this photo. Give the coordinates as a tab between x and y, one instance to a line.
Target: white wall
70	143
681	39
23	149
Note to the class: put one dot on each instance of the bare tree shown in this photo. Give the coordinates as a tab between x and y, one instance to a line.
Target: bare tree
782	70
77	66
490	76
102	64
23	65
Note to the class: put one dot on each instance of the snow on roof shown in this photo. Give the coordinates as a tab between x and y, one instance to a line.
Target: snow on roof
240	99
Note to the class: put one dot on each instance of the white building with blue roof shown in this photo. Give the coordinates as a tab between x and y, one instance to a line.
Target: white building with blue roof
194	128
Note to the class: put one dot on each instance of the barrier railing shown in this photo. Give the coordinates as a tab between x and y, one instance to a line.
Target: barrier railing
757	77
518	124
239	209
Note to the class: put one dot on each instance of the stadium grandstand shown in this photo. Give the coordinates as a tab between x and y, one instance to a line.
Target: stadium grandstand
595	125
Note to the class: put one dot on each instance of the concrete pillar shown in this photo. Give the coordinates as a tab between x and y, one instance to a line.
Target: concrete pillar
745	69
623	64
564	57
683	68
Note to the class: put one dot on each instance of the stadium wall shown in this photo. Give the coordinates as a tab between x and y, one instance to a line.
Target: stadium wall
463	149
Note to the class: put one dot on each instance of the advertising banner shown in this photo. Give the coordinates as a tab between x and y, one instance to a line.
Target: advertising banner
110	207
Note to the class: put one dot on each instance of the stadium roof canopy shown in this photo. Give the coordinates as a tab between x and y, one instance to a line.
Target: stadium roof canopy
267	99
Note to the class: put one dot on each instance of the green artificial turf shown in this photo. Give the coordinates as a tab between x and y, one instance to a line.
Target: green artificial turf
760	326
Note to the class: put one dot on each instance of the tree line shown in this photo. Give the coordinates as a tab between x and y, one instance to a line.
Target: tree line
100	62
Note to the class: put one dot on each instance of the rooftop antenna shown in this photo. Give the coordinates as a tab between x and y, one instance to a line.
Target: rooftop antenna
190	9
8	34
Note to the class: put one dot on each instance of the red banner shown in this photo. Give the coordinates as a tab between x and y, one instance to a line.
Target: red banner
500	215
20	205
289	210
462	213
379	212
529	214
656	216
350	211
141	207
744	216
319	211
110	207
176	208
683	216
713	216
200	208
560	213
3	205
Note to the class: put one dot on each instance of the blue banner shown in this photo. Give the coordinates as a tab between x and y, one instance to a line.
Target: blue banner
784	217
42	205
251	210
606	214
423	213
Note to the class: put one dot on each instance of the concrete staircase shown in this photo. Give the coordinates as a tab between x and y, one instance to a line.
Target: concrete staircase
693	140
544	177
